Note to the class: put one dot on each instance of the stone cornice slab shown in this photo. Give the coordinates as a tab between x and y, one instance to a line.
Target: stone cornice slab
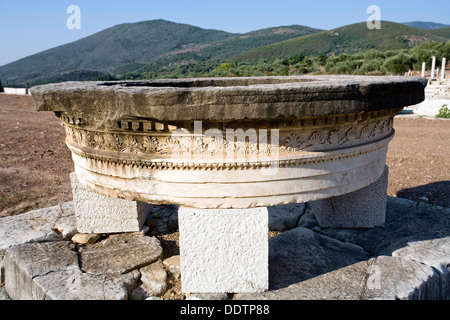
227	99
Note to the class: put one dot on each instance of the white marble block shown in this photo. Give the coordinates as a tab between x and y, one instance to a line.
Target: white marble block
364	208
224	250
96	213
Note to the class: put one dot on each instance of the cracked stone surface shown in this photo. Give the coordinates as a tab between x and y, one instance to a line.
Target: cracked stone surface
312	255
406	221
381	278
120	253
49	224
285	217
407	259
54	223
50	271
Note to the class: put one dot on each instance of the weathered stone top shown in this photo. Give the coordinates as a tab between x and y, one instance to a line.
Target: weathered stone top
223	99
230	142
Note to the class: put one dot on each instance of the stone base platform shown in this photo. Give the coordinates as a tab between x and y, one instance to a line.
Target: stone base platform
407	259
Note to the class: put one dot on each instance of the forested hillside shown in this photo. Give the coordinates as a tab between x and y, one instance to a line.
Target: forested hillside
164	49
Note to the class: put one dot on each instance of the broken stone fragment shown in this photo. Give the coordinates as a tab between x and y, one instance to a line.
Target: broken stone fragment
434	253
173	265
85	238
120	253
154	279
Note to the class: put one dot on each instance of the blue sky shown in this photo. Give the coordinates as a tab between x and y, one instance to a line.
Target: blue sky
28	27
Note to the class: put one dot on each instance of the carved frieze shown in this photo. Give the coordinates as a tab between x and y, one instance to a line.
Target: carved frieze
182	143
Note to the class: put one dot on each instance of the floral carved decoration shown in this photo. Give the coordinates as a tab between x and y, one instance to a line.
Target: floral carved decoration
212	146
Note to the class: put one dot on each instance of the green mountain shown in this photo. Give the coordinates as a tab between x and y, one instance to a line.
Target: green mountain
348	39
444	32
123	44
220	49
138	47
426	25
255	39
158	48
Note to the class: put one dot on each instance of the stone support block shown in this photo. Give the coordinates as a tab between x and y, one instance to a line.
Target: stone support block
364	208
96	213
223	250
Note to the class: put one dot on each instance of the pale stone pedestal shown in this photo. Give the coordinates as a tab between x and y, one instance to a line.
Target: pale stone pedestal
223	250
96	213
364	208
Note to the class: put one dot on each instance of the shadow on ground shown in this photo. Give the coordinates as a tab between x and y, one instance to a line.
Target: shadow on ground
437	193
310	251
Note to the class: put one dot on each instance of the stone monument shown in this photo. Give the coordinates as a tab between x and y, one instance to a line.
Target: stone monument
225	149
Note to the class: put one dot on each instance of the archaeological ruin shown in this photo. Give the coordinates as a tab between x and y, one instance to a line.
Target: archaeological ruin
225	150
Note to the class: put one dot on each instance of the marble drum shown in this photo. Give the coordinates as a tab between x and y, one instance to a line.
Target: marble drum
230	143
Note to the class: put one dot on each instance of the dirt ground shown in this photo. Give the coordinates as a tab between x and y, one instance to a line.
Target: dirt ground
419	161
35	163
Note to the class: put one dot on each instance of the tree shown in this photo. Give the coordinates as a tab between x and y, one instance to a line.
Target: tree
298	58
1	87
322	59
399	63
373	54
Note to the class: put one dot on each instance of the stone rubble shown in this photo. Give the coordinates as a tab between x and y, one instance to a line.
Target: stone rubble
85	238
154	279
407	259
173	265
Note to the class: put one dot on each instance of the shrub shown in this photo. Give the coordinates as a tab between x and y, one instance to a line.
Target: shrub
226	66
444	112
